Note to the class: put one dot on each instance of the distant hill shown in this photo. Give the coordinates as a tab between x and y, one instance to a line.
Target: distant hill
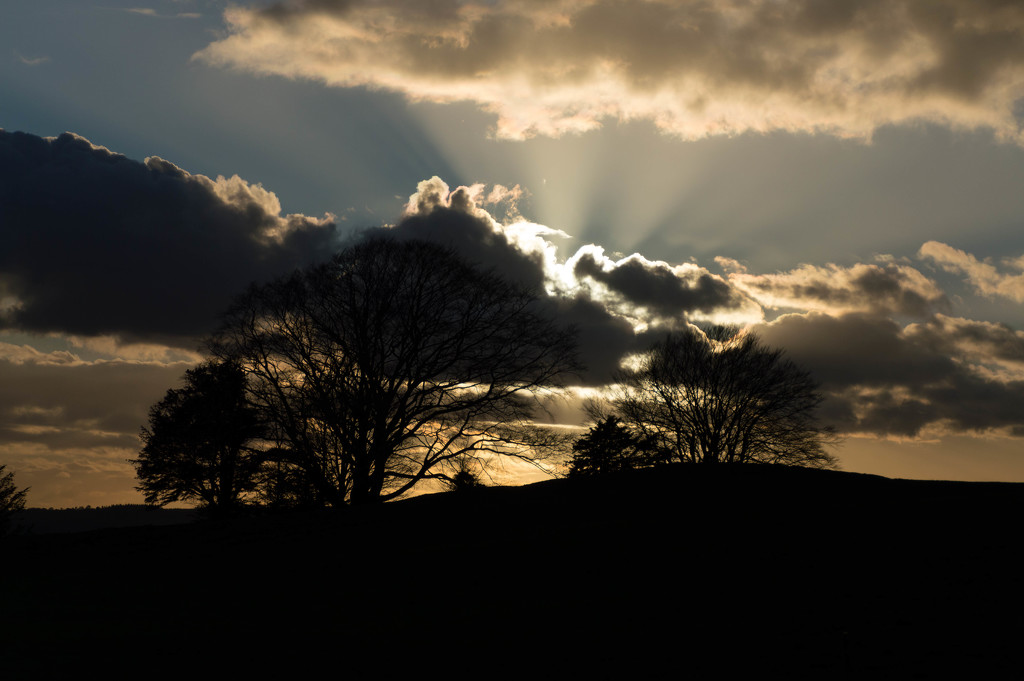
51	520
687	570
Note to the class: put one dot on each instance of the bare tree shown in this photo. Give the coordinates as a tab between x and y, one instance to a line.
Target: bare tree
395	357
724	397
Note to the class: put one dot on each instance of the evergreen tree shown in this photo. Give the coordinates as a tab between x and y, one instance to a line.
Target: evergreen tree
610	447
12	500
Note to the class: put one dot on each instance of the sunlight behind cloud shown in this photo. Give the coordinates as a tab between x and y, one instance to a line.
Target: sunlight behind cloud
693	69
648	293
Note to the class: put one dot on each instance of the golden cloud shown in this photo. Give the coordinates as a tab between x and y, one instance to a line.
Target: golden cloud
887	288
983	276
693	68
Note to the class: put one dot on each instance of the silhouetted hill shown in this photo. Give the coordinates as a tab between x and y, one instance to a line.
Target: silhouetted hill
51	520
678	571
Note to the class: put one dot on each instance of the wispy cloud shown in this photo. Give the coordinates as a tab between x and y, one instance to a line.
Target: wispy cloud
30	61
694	69
886	288
985	277
71	425
149	12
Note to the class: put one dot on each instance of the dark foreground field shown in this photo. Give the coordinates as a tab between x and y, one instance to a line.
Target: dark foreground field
677	572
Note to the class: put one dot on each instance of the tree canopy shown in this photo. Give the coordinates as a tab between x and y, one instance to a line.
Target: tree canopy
196	446
722	396
386	365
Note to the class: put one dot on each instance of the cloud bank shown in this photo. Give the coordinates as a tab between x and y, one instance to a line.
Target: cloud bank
694	69
948	375
69	426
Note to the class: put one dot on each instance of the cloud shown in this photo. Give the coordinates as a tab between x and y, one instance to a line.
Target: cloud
77	476
656	290
96	244
632	287
31	61
122	258
150	12
887	288
69	426
522	252
694	69
55	401
518	250
26	354
884	376
983	276
988	348
884	379
604	337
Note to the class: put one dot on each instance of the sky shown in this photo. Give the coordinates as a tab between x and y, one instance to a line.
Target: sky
843	178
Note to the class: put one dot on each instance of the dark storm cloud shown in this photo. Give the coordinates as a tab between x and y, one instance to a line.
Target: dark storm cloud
854	350
663	290
693	68
881	378
604	338
453	219
94	243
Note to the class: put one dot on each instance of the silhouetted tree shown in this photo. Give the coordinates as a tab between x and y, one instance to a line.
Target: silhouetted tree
464	476
721	396
284	483
394	357
610	446
197	444
12	500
